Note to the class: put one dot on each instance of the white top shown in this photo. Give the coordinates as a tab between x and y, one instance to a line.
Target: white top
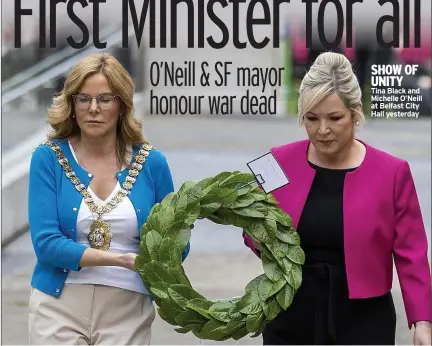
124	228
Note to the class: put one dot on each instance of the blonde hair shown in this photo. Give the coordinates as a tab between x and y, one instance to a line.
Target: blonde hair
60	113
330	73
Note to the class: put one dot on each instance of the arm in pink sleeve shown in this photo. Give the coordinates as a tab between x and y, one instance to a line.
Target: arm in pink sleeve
249	243
410	250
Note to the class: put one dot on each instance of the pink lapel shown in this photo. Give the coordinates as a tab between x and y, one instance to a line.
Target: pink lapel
292	197
293	160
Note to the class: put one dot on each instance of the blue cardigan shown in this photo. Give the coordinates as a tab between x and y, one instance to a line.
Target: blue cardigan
54	203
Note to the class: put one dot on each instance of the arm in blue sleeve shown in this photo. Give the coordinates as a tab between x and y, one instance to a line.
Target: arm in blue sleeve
51	246
164	182
164	186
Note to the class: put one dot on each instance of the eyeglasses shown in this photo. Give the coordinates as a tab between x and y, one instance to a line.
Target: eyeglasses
104	101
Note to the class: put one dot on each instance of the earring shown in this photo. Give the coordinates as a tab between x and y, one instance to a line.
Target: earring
357	123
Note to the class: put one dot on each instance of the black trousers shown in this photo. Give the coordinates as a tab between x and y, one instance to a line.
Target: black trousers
322	313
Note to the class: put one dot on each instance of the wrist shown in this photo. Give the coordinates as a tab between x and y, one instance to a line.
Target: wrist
119	260
422	323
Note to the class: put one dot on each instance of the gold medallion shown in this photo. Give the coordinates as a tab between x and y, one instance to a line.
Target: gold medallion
100	235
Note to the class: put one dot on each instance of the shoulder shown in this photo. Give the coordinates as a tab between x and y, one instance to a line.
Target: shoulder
384	159
45	152
157	169
155	158
49	144
387	169
290	148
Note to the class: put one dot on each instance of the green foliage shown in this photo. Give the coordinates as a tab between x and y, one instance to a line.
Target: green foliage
229	199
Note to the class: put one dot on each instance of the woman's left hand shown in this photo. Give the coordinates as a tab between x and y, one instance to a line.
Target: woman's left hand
422	333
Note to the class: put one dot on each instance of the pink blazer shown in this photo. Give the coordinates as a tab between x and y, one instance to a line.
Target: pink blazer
382	221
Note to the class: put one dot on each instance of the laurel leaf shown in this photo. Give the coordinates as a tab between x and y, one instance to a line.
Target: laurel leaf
168	199
291	237
227	196
163	313
230	218
192	214
254	322
205	183
253	284
222	176
271	309
243	189
242	202
166	219
296	254
236	179
156	208
258	231
209	204
254	211
182	330
220	311
295	276
285	296
201	306
153	241
189	318
281	217
214	330
143	252
182	294
187	185
180	276
270	227
183	237
156	273
240	334
160	290
267	288
249	304
271	269
169	253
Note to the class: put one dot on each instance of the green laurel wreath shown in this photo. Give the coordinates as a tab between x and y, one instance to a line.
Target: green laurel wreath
229	198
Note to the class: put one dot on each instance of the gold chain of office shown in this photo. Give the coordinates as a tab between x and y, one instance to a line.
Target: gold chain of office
100	235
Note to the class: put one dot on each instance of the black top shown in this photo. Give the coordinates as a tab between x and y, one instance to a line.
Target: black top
321	224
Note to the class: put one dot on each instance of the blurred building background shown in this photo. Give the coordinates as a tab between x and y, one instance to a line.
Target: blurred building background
196	146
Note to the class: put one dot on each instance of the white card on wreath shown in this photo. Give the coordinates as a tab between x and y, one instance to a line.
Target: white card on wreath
268	172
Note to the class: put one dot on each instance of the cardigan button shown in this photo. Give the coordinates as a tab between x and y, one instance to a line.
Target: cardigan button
57	290
138	210
90	175
65	270
72	230
74	209
119	174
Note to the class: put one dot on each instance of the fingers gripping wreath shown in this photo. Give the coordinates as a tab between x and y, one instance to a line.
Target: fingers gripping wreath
228	199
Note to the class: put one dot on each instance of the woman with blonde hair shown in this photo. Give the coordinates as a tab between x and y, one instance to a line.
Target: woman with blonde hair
92	186
355	209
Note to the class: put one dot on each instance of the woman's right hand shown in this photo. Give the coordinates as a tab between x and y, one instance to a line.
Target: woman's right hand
98	258
128	261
